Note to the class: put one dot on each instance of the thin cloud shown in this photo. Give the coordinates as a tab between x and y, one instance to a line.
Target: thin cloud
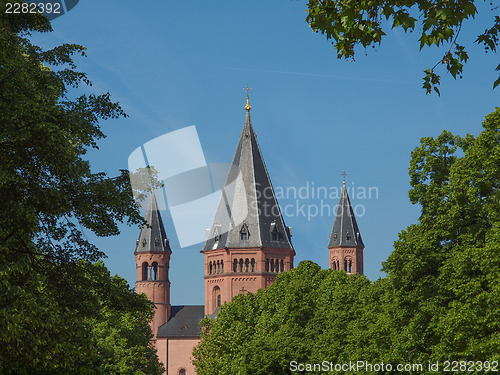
319	75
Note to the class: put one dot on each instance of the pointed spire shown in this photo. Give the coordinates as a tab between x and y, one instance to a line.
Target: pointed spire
152	237
248	214
345	230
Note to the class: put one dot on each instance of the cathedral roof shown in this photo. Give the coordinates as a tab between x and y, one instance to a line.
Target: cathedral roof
152	237
184	322
345	230
248	214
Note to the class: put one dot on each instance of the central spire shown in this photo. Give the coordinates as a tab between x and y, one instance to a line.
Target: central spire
248	215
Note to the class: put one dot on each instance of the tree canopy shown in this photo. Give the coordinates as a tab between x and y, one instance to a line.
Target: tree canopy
307	315
59	313
352	23
439	301
445	270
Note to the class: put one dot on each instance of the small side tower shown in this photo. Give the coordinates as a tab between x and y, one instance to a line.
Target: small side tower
346	246
152	259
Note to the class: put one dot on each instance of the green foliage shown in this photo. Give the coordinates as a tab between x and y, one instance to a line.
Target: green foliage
439	302
351	23
59	313
306	315
72	318
445	270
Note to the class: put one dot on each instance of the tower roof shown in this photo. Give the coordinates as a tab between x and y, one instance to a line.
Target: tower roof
345	230
152	237
248	214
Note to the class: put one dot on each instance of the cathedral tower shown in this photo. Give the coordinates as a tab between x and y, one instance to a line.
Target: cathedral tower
248	243
346	246
152	258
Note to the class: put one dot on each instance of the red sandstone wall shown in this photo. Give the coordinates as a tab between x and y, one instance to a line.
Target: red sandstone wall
232	283
177	352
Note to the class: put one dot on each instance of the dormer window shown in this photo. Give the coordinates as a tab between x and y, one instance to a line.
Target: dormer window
156	242
347	236
335	236
244	233
144	242
216	233
275	234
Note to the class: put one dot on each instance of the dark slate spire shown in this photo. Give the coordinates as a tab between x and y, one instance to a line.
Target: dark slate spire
248	214
345	230
153	238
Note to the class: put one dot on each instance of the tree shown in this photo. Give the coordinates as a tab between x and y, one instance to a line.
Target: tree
445	270
351	23
73	318
307	315
57	311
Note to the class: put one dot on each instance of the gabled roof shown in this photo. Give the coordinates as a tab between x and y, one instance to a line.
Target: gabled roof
248	203
184	322
152	237
345	230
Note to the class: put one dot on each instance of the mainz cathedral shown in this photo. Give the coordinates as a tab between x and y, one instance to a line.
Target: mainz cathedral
239	258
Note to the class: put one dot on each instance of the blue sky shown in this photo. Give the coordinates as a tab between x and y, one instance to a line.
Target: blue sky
176	64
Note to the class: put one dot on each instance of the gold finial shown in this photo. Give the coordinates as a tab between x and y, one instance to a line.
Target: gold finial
247	106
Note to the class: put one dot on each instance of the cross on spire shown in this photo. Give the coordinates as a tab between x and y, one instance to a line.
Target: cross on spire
247	106
344	175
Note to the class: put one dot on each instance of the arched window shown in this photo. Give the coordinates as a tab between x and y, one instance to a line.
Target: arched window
222	266
216	297
253	265
182	371
348	265
267	265
235	265
154	271
218	267
272	265
282	266
210	268
334	265
241	265
247	265
145	271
